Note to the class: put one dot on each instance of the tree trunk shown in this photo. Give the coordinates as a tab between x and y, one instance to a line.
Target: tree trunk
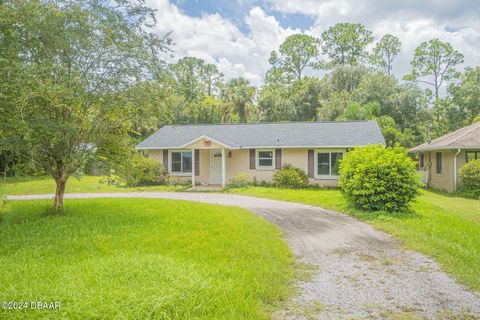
436	99
60	191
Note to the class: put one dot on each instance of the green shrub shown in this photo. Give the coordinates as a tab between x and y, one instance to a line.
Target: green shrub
379	178
470	174
290	177
142	171
241	180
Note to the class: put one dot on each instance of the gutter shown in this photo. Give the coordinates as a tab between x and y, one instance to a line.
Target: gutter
433	148
455	169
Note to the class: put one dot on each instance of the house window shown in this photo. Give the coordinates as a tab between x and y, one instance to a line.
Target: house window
328	163
472	155
421	160
439	164
181	162
265	159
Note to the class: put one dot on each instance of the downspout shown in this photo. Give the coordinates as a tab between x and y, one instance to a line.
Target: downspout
455	169
429	172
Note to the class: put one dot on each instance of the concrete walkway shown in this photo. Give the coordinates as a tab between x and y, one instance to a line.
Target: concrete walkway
359	272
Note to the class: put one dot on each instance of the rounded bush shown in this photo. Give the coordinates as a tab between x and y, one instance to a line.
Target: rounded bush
142	171
290	177
241	180
470	175
379	178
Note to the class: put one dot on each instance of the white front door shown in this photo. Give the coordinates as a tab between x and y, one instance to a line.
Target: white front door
216	166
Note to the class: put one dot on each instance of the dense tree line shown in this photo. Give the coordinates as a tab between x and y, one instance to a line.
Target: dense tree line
354	84
88	78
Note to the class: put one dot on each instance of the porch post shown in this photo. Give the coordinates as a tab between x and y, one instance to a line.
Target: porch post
223	168
193	168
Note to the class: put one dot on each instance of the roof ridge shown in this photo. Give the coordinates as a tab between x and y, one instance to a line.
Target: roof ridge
259	123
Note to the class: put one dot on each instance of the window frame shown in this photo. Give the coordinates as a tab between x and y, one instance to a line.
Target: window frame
329	151
437	162
170	162
476	152
257	159
421	161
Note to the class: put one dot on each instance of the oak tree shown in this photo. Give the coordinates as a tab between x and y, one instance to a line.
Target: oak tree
66	66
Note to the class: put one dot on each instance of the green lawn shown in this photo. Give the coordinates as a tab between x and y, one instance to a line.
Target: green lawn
139	259
39	185
445	227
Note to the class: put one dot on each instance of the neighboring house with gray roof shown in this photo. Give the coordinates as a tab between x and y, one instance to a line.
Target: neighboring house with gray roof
441	159
214	154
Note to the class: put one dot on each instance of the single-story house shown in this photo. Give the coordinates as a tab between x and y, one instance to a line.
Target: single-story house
440	159
215	153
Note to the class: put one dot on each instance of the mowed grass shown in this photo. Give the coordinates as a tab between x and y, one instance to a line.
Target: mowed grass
444	227
142	259
83	184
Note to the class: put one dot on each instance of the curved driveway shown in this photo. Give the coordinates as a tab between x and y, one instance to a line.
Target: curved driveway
358	271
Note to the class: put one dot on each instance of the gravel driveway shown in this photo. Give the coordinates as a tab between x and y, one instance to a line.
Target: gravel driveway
358	272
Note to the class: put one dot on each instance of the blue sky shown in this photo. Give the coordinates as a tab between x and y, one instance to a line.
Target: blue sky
235	11
239	35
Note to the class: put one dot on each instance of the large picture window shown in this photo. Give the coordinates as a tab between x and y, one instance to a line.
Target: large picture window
181	162
265	159
328	163
472	155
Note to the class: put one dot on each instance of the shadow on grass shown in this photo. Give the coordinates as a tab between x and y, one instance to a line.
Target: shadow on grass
380	215
459	194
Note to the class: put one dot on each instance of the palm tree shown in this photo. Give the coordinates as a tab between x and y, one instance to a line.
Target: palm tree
237	99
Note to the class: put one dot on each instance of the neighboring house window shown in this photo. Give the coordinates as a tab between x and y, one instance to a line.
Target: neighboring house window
327	163
439	163
422	160
265	159
472	155
181	162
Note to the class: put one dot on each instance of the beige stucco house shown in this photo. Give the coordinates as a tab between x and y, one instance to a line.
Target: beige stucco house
440	160
214	154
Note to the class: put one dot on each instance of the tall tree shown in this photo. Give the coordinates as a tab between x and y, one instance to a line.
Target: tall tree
297	52
345	43
213	79
68	64
274	103
384	52
346	77
462	104
238	96
196	79
433	63
298	102
466	96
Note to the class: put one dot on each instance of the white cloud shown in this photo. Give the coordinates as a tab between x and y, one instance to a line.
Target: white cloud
216	39
410	20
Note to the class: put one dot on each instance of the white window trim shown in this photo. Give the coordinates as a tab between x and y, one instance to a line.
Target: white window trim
329	151
257	160
180	174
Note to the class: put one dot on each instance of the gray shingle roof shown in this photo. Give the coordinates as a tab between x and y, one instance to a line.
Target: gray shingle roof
466	137
280	134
